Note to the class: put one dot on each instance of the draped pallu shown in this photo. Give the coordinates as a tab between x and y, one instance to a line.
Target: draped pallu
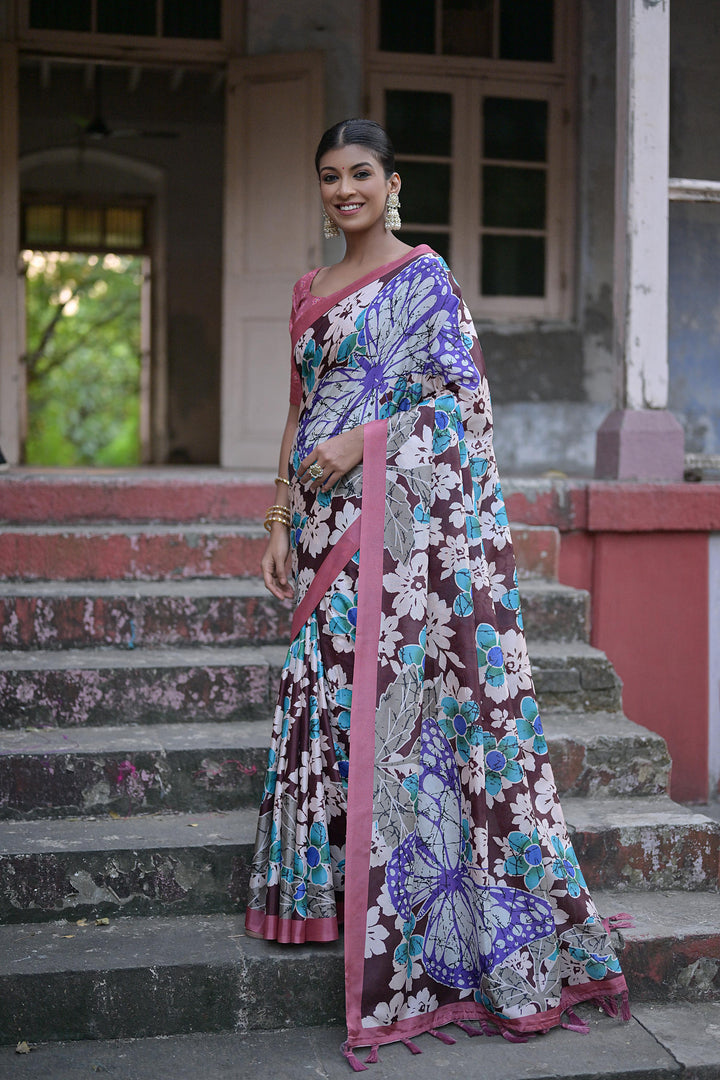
408	793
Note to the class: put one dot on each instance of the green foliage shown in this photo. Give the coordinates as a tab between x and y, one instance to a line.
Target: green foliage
82	359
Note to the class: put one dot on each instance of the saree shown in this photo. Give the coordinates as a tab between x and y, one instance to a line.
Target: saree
408	793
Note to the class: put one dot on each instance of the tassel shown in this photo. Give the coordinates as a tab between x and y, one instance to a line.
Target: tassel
513	1038
625	1013
488	1029
411	1046
574	1023
471	1031
621	921
447	1039
372	1056
355	1065
609	1006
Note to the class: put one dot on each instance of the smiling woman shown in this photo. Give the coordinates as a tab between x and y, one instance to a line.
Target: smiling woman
408	793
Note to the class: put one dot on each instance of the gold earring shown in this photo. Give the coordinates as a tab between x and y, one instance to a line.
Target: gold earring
392	218
330	229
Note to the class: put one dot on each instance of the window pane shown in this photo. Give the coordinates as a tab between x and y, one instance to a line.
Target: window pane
513	198
515	129
419	122
407	26
84	226
191	19
425	194
60	14
124	227
43	226
439	242
526	30
513	266
467	27
126	17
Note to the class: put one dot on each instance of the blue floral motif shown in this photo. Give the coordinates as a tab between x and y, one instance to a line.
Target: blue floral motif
295	877
467	852
271	772
463	603
529	725
414	655
312	357
343	764
314	726
566	866
500	763
344	699
405	396
501	513
526	862
490	654
275	853
410	948
297	525
317	855
344	621
597	965
478	468
459	724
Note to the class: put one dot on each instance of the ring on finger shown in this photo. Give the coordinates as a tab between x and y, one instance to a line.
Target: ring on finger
316	470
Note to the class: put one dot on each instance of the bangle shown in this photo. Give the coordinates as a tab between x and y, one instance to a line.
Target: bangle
282	480
277	513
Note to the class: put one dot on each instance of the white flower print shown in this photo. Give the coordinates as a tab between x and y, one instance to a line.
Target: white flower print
546	794
315	535
445	482
409	586
439	634
517	664
386	1012
342	316
498	535
376	934
473	771
498	585
452	553
414	453
343	520
419	1003
389	638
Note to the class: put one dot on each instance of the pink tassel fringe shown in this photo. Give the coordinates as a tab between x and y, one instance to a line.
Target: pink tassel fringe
621	921
372	1056
471	1031
447	1039
355	1065
574	1023
411	1046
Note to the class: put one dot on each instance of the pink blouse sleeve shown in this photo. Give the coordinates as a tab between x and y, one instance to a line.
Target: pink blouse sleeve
300	292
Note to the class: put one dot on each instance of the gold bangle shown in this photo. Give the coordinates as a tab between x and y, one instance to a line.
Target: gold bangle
278	508
282	480
279	513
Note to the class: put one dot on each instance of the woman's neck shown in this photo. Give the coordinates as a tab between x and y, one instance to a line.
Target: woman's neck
371	249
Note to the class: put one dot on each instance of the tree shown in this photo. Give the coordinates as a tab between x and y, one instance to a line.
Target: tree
83	358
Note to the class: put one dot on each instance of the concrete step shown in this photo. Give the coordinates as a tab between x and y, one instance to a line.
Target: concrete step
130	552
151	864
165	976
605	754
670	1042
90	687
59	772
70	615
235	612
78	687
650	843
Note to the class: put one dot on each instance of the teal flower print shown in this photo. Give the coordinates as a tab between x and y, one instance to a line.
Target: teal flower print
271	772
412	786
275	853
459	724
343	765
410	948
463	603
467	846
314	726
500	763
446	422
501	513
490	654
296	528
414	656
511	600
344	621
294	877
529	725
343	699
318	855
566	866
312	356
597	965
527	860
405	395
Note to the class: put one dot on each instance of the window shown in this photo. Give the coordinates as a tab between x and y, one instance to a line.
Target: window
196	19
50	226
476	97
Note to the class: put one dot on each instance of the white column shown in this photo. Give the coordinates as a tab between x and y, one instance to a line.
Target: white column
641	439
10	383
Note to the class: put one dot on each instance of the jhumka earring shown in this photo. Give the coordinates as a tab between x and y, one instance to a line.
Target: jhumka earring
330	229
392	218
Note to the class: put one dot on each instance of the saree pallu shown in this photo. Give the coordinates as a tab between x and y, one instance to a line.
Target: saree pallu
408	791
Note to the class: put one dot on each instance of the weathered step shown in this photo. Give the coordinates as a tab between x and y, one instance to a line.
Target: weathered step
69	615
130	552
165	976
132	614
160	976
57	772
649	843
152	864
673	951
79	687
605	754
574	676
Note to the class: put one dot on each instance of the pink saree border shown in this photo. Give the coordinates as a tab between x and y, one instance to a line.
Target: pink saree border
333	563
293	931
320	304
362	717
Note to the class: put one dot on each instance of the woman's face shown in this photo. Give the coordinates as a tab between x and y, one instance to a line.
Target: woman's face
353	187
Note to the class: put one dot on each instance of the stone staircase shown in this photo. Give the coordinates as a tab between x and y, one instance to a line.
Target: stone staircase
138	662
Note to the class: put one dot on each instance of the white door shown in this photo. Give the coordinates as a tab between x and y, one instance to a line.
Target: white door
274	118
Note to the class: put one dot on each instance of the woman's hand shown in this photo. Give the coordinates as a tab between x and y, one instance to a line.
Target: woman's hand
336	457
274	561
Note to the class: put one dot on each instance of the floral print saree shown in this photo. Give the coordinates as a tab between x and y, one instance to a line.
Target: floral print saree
408	793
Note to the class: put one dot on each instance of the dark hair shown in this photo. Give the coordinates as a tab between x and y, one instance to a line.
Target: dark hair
359	133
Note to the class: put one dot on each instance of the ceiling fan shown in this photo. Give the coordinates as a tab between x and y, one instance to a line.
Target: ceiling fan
97	127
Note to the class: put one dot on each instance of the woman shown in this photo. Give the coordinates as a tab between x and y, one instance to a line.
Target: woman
408	792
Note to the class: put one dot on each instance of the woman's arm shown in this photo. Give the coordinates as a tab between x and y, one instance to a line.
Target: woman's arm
336	456
274	560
